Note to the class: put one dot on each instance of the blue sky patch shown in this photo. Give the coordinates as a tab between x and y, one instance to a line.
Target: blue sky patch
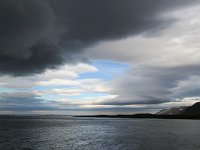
107	70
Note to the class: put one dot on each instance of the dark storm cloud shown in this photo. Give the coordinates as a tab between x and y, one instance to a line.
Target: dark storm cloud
40	34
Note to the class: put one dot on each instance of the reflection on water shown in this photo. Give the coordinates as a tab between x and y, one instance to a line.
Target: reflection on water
98	134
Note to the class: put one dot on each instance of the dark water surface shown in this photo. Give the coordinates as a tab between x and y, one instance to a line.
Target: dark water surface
98	134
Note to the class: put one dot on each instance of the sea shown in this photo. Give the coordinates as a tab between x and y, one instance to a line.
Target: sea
77	133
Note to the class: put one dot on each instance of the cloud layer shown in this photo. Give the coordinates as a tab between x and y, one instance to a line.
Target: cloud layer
39	34
164	68
144	55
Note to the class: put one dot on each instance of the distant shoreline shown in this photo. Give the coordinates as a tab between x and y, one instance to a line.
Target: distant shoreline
145	116
136	116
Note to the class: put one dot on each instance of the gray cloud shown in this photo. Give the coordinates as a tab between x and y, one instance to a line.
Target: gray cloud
165	68
139	101
29	102
24	102
40	34
155	85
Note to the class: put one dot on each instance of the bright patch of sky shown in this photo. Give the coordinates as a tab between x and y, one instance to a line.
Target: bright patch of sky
107	70
79	84
86	95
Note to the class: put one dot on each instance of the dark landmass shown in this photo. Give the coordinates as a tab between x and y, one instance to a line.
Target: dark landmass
172	111
147	116
184	112
192	110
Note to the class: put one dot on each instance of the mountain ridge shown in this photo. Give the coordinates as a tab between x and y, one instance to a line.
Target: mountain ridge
183	112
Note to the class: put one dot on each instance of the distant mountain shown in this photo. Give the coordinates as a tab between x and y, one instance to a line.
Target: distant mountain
192	110
183	112
172	111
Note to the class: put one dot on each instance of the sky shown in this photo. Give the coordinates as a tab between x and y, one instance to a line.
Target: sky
89	57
